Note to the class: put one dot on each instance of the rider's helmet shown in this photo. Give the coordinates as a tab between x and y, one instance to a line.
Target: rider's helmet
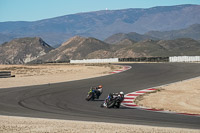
121	93
100	86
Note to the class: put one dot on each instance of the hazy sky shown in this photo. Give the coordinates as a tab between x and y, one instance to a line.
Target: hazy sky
31	10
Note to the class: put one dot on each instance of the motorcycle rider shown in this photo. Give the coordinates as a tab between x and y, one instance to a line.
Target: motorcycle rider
121	95
99	91
114	95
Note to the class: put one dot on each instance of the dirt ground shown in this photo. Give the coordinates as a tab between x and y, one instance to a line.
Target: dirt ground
32	75
36	125
181	97
27	75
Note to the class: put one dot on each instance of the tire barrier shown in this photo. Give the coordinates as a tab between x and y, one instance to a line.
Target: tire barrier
145	59
6	74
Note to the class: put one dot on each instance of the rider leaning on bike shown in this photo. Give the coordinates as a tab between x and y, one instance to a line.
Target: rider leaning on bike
98	90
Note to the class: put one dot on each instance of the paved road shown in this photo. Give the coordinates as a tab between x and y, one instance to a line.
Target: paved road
67	100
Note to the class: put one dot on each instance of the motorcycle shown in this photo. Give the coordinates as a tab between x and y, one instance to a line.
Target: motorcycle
112	102
91	95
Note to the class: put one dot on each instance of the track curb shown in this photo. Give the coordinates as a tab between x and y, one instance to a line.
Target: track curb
124	68
129	101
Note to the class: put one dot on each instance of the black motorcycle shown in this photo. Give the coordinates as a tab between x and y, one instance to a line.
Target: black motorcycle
112	102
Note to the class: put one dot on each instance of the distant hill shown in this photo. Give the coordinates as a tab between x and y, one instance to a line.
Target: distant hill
161	48
101	24
23	50
75	48
191	32
181	47
132	36
6	37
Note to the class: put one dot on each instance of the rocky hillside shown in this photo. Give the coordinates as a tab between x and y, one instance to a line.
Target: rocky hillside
132	36
101	24
148	48
34	50
75	48
23	50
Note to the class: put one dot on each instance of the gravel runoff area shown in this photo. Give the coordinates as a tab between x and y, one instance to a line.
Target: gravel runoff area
28	75
66	72
180	97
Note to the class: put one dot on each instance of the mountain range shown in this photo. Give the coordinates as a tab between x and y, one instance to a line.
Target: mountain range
101	24
192	31
35	50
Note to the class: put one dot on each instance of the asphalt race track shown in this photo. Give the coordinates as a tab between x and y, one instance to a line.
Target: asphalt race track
67	100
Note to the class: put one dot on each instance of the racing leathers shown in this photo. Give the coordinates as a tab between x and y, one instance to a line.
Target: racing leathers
98	91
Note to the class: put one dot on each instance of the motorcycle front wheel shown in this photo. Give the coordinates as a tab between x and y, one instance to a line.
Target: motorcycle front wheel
90	97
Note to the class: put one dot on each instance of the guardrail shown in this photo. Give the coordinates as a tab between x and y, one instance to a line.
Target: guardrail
110	60
184	59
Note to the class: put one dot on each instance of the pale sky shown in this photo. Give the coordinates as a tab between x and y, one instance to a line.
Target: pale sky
32	10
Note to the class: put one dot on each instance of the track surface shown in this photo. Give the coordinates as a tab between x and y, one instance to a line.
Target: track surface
67	100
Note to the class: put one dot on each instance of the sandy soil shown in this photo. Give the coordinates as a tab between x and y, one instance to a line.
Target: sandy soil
182	97
32	75
36	125
27	75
